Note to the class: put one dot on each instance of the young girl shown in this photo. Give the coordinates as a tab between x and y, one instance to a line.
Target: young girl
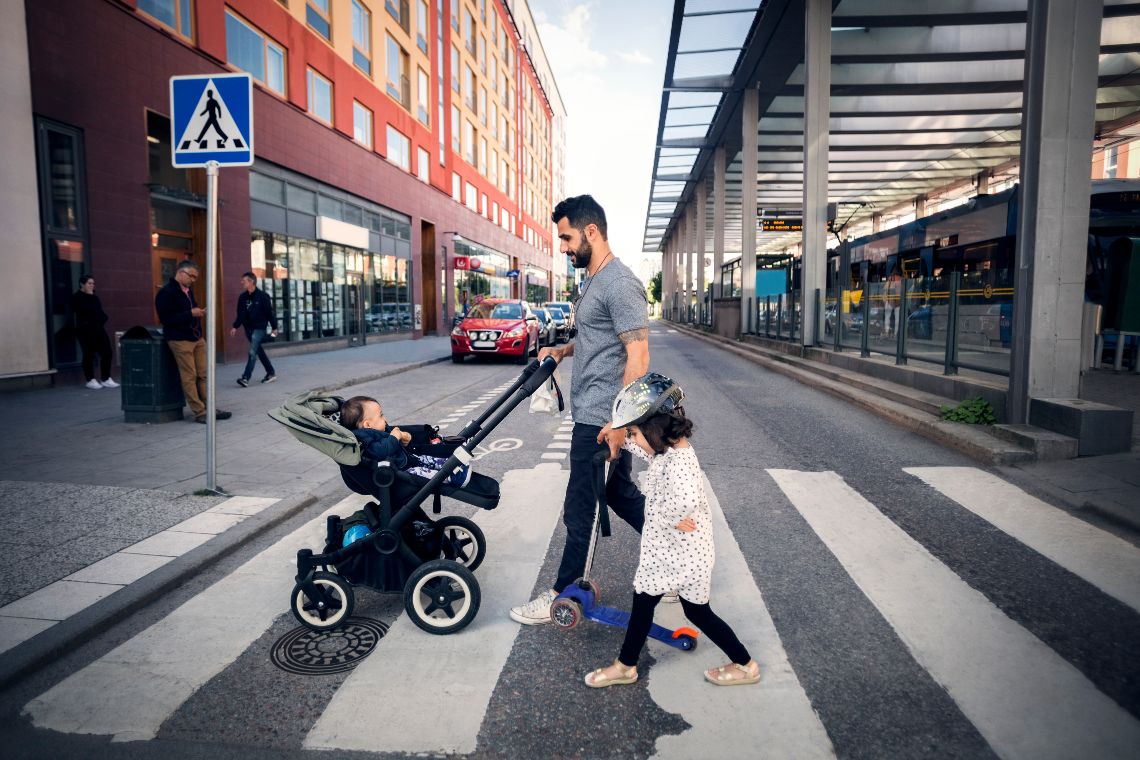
677	541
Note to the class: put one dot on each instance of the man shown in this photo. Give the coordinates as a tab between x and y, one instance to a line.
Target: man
255	314
182	327
610	349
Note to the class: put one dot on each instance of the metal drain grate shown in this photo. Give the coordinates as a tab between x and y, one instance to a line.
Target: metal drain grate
313	653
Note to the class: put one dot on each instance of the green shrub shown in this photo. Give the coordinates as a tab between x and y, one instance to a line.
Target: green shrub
972	411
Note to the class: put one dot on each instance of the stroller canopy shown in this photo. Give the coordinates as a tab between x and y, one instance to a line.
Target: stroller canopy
314	421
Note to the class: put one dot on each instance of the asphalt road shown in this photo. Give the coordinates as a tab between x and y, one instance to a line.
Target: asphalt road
890	620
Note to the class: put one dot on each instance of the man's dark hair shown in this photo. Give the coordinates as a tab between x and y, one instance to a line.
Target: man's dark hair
580	211
352	411
85	278
664	429
187	264
250	276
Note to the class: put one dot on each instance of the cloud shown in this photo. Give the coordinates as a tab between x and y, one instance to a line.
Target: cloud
568	44
636	57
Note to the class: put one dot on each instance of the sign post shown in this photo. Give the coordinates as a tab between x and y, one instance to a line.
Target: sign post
211	126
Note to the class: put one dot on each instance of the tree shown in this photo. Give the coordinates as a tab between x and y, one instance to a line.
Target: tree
654	289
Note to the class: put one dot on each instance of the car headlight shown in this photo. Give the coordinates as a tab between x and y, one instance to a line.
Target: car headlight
517	332
458	331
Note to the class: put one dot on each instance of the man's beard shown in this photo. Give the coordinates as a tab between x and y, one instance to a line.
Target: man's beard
583	255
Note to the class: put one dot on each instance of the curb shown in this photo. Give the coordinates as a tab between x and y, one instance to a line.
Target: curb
377	376
972	443
30	656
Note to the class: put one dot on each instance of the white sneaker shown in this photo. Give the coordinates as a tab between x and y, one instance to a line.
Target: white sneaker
536	611
94	384
109	383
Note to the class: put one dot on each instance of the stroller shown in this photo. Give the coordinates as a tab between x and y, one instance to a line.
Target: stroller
431	562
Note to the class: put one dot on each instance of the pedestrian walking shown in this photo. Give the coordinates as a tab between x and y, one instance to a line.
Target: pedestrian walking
677	553
610	346
255	314
181	319
88	319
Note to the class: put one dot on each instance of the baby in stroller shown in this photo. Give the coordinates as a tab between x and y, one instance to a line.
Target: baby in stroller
364	416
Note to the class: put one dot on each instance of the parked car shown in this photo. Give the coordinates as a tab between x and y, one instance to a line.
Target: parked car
547	331
496	326
561	324
567	310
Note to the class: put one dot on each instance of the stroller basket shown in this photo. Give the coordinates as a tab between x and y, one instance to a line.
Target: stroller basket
402	549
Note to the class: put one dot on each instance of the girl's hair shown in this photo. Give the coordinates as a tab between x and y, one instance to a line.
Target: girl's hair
664	429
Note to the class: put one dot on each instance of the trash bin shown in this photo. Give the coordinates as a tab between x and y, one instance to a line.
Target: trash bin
152	388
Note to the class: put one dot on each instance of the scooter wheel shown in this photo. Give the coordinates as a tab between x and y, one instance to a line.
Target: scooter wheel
565	613
591	586
686	642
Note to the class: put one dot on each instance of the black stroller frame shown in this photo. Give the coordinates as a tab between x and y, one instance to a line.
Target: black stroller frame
431	562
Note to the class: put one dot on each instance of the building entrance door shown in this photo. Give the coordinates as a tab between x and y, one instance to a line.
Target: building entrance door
355	308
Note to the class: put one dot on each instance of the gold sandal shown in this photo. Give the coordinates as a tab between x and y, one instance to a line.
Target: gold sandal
597	679
726	675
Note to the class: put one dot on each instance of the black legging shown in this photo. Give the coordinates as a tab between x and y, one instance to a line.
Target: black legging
700	615
95	342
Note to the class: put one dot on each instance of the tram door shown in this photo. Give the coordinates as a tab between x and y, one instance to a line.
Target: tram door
354	310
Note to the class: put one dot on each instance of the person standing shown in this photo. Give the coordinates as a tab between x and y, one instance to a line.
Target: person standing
89	318
611	349
255	314
181	319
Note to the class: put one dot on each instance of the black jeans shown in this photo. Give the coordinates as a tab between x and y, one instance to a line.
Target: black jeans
95	342
700	615
257	352
622	494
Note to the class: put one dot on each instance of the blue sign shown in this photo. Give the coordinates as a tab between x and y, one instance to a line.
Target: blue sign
513	273
211	120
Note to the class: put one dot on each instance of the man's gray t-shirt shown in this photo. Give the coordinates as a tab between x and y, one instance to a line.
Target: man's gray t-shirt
613	302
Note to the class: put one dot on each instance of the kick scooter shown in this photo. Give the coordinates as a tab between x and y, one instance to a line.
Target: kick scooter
581	598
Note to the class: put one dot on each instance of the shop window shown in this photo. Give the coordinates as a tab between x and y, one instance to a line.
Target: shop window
361	37
398	85
250	50
320	97
362	124
300	199
399	149
268	189
175	14
318	17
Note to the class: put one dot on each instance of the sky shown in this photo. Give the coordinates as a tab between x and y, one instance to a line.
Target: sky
608	58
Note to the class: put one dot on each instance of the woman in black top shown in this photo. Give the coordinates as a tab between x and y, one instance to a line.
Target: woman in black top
89	318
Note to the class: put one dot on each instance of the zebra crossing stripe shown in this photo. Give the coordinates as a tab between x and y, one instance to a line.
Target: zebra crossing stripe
1107	562
153	673
1026	700
445	682
781	722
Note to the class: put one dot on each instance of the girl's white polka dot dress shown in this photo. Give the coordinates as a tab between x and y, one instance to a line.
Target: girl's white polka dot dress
672	560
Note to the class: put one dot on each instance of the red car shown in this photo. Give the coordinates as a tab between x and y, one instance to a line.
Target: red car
496	326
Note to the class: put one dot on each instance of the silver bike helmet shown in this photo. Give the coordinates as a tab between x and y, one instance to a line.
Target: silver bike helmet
644	397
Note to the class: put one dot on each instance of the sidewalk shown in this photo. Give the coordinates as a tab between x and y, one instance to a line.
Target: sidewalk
100	515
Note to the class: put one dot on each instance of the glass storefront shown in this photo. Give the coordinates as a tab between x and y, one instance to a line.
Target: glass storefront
485	277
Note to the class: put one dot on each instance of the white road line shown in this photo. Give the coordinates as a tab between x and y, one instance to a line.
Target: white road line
553	455
421	693
781	722
152	674
1026	700
559	445
1107	562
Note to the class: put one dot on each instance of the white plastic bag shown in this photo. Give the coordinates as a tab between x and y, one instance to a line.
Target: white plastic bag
546	400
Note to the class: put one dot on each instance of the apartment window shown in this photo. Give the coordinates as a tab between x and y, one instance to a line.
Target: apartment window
503	129
423	158
469	31
469	87
503	176
320	96
493	166
482	110
494	74
455	68
454	128
399	149
472	197
422	26
456	188
361	37
398	85
1111	162
483	156
175	14
483	204
317	15
250	50
494	210
361	124
482	54
455	24
468	142
423	92
494	118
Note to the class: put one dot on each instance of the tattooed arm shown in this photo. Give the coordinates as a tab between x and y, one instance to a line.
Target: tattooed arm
636	344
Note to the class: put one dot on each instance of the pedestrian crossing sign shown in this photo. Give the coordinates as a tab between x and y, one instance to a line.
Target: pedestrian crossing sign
211	119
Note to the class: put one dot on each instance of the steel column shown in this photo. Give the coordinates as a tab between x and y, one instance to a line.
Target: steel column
817	112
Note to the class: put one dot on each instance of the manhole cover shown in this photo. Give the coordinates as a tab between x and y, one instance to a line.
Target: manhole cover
313	653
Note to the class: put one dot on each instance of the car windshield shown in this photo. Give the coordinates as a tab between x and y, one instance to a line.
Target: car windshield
562	307
540	313
496	311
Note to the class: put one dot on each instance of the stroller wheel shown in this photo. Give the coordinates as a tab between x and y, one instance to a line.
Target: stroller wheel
462	541
565	613
441	596
325	613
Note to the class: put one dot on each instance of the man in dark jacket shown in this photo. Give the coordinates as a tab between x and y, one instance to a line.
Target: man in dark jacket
255	314
182	327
